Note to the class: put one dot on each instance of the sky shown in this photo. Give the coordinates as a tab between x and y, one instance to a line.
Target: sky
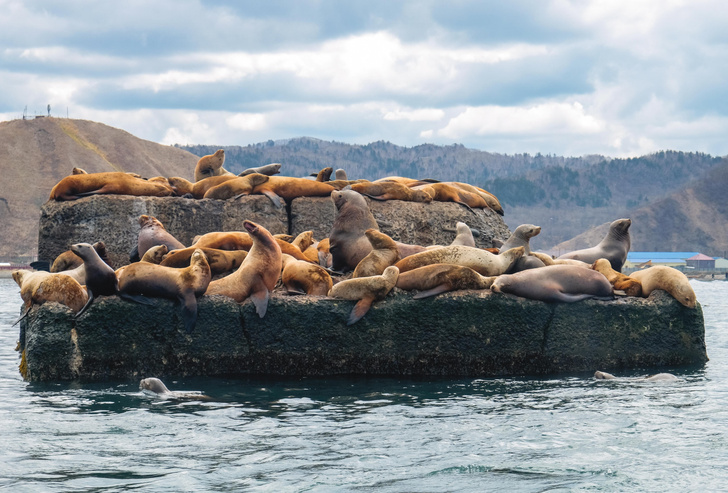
612	77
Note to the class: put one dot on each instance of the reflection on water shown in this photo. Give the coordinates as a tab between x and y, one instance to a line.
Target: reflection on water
564	432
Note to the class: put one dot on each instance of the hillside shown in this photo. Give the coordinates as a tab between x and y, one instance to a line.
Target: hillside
36	154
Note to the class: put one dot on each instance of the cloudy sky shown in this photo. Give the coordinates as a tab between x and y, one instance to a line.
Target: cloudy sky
613	77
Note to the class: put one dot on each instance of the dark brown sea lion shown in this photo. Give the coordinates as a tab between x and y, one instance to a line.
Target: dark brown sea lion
301	277
143	279
100	279
614	247
366	290
73	187
434	279
555	283
348	243
258	274
211	165
69	260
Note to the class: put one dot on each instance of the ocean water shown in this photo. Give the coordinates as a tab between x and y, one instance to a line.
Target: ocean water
561	433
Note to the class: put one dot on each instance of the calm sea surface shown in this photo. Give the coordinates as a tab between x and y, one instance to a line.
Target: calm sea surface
563	433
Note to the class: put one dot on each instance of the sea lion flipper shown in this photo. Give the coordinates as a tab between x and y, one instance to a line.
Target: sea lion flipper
260	300
189	310
277	201
360	309
134	254
25	314
442	288
88	303
136	298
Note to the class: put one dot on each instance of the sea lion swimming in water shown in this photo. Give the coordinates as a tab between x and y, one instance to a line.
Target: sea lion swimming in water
157	387
659	377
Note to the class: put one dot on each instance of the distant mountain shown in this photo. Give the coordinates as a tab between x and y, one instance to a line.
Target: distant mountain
36	154
565	196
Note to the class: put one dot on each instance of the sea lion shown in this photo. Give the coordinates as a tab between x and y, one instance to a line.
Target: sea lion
659	377
409	182
552	283
100	279
79	171
38	287
324	254
324	174
286	188
236	187
463	235
221	261
152	233
443	192
66	261
79	271
521	237
224	240
348	243
434	279
384	253
614	247
632	287
303	240
301	277
489	198
366	290
340	174
391	191
211	165
155	254
668	279
198	189
74	187
268	170
549	260
481	261
142	279
156	386
257	275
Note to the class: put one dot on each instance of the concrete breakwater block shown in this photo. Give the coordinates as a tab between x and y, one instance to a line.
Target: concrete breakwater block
465	333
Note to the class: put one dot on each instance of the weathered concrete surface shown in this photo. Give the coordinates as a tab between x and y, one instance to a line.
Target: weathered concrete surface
467	333
114	219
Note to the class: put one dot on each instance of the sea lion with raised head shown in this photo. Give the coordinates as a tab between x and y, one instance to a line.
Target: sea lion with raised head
300	277
366	290
257	275
668	279
268	170
434	279
143	279
463	235
521	237
632	287
100	279
555	283
69	260
156	254
152	233
384	253
324	174
340	174
74	187
613	247
348	243
211	165
481	261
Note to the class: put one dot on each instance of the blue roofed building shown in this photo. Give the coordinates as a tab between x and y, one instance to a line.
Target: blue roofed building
636	260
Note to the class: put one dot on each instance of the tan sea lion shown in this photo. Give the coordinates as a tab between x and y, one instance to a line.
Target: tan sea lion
198	189
391	191
211	165
668	279
434	279
153	233
38	287
384	253
521	237
443	192
79	171
659	377
555	283
224	240
286	188
348	243
268	170
549	260
632	287
236	187
155	254
303	240
143	279
258	274
100	279
73	187
324	255
409	182
366	290
481	261
463	235
156	386
221	261
614	247
489	198
301	277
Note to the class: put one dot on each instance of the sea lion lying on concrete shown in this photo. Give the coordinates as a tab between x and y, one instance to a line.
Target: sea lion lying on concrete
434	279
74	187
668	279
562	283
38	287
300	277
632	287
481	261
384	253
366	290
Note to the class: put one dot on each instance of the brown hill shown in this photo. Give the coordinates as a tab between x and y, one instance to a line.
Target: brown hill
36	154
694	218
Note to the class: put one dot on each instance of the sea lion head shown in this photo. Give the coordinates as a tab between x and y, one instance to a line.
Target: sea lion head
421	196
602	265
343	197
100	248
154	385
83	250
180	185
146	221
527	231
79	171
685	295
620	227
379	240
19	275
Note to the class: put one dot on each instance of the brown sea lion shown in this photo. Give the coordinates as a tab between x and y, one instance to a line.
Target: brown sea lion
614	247
258	274
100	279
324	255
74	187
79	171
324	174
237	187
286	188
668	279
303	240
390	190
481	261
153	233
38	287
434	279
409	182
366	290
197	189
155	254
489	198
443	192
268	170
348	243
221	261
143	279
301	277
384	253
66	261
211	165
555	283
224	240
632	287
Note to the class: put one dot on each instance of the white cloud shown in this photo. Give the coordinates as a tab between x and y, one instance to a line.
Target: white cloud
247	121
420	115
